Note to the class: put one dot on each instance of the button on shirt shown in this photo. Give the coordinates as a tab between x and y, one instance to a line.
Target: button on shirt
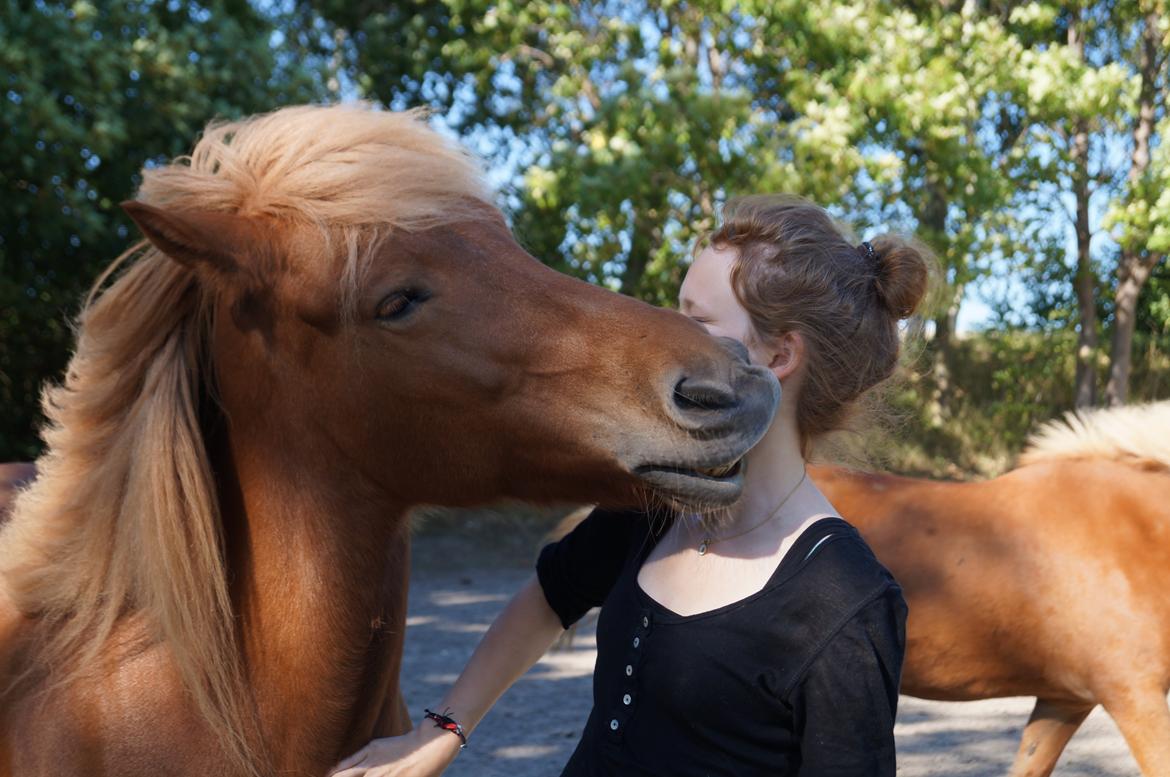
800	678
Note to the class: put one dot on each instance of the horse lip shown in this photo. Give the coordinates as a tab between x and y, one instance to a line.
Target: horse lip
690	484
717	471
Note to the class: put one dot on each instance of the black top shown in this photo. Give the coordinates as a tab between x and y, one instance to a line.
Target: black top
800	678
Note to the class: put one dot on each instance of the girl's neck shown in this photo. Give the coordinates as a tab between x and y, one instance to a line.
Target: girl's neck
774	467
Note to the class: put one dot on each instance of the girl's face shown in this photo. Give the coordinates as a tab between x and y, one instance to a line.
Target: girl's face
707	297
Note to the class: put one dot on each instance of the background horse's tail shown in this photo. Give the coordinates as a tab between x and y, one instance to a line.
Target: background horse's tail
1139	434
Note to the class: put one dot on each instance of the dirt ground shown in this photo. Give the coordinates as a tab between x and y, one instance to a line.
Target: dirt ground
458	588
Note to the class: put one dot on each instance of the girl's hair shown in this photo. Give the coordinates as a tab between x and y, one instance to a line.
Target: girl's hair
798	270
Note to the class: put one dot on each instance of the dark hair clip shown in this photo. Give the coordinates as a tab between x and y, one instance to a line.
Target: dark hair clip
866	250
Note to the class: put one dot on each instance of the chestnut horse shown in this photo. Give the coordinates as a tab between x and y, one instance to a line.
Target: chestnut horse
1051	581
328	324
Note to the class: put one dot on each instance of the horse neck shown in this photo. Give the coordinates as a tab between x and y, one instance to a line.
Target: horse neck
319	577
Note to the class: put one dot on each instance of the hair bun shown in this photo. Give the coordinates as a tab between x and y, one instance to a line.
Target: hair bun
903	273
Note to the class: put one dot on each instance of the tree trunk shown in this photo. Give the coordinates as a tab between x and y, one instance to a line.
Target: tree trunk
942	345
1129	288
642	242
1084	281
1135	263
636	261
933	223
1086	287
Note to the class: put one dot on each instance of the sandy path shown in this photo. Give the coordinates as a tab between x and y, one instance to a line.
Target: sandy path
533	729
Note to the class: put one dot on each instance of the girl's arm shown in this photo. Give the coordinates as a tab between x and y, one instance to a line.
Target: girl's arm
845	706
517	639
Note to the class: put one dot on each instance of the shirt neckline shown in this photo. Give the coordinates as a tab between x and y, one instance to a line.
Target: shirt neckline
793	561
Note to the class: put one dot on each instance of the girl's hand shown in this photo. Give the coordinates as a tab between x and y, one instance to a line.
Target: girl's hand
518	637
424	752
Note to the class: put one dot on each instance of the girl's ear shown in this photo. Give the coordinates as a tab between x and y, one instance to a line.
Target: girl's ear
787	354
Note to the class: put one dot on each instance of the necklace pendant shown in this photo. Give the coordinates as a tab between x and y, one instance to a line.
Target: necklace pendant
703	547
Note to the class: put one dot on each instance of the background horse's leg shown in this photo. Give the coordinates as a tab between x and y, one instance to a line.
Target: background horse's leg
1049	728
1144	720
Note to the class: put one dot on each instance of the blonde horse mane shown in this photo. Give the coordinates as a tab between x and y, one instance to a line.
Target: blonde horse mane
123	518
1139	434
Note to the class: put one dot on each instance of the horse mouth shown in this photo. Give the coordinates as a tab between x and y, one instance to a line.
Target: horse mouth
717	485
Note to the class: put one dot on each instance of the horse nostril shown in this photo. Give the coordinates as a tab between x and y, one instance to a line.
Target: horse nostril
698	395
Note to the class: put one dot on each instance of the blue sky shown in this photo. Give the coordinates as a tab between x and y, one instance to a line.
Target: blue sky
974	313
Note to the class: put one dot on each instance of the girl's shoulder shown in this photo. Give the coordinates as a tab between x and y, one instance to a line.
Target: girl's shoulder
842	597
838	570
578	570
610	525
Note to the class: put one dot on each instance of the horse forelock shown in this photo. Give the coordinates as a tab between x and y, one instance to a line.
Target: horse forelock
338	165
124	516
355	173
1138	433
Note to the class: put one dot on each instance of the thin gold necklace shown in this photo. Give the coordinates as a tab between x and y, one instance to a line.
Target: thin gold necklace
709	541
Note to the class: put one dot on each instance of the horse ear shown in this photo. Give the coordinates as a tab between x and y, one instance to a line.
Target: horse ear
198	239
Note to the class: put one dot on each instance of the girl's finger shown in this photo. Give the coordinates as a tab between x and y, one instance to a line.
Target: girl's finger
355	771
347	764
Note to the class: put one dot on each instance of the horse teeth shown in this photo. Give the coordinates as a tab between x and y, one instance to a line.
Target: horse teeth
718	472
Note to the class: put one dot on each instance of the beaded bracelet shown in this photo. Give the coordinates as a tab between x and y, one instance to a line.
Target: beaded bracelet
448	723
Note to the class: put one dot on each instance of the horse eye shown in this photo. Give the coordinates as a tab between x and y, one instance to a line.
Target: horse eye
400	304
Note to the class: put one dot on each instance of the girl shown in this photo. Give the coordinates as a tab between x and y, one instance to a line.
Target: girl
769	640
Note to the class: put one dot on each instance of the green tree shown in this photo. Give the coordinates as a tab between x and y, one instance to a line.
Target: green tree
92	91
1071	94
633	120
930	87
1141	211
637	119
